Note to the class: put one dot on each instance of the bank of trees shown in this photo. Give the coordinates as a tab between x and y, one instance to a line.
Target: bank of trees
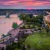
29	18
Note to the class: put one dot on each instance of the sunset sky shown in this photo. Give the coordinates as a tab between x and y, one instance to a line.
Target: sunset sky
25	4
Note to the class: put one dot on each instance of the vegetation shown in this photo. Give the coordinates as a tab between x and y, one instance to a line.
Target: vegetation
19	45
38	41
31	21
28	26
14	25
11	47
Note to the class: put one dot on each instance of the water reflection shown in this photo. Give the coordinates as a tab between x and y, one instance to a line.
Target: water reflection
6	23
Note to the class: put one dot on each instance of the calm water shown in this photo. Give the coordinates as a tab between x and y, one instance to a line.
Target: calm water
6	23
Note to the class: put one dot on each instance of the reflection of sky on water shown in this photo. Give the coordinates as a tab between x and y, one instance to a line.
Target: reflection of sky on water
6	23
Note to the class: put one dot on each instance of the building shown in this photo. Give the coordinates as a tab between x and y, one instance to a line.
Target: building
47	20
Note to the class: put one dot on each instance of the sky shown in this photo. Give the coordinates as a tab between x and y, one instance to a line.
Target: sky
24	4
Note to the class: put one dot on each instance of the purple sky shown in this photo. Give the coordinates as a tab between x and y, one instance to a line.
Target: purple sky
25	4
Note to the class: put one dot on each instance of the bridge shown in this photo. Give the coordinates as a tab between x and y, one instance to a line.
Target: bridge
9	14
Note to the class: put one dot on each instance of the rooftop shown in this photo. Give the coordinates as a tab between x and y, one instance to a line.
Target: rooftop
47	18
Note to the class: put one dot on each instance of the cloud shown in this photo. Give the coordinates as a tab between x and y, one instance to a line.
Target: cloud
43	0
25	2
36	3
9	2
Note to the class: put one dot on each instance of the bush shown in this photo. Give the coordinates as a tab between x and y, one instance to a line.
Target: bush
14	25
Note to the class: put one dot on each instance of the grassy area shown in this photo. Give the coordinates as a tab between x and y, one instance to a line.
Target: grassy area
38	42
17	49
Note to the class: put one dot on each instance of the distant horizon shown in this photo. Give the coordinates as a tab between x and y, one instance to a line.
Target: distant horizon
26	8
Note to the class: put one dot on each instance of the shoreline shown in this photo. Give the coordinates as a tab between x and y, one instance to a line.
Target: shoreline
6	24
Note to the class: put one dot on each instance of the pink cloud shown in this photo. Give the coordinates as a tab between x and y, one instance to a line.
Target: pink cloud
26	2
36	3
9	3
13	2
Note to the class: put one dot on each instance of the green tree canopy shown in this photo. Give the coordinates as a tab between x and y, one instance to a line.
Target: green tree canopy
22	16
14	25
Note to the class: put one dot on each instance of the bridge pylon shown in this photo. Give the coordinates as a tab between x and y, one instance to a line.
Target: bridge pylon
7	15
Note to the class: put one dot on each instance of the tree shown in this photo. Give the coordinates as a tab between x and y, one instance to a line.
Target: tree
14	25
33	19
47	29
22	16
10	35
28	19
3	36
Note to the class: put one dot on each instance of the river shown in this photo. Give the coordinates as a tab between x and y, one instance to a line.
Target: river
6	23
